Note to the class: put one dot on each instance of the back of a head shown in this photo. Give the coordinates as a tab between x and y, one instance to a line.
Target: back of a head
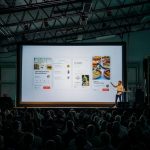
50	145
70	124
103	125
108	116
60	113
58	139
28	139
17	125
80	141
118	118
90	130
105	138
120	82
116	127
1	142
30	126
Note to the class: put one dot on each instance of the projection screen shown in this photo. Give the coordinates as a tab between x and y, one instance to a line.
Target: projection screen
70	74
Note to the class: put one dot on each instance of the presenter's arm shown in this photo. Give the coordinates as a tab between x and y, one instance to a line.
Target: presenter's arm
113	85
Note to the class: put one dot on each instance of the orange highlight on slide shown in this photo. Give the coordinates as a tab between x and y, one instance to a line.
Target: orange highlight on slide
105	89
46	87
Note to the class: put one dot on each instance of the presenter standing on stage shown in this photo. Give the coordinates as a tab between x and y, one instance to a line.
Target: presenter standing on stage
120	90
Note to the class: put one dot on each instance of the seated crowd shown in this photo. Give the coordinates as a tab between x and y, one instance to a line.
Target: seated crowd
74	129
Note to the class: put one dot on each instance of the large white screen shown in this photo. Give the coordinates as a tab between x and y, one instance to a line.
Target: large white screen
70	73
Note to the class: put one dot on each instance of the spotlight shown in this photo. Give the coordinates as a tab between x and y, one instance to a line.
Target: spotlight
83	19
109	13
87	5
26	27
46	23
103	25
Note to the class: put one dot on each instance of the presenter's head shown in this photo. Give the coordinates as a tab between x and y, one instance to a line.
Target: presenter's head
119	82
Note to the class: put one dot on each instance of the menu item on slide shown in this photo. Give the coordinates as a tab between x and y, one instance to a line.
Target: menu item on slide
81	73
101	73
36	67
106	62
43	73
49	67
101	67
85	80
62	73
97	74
107	74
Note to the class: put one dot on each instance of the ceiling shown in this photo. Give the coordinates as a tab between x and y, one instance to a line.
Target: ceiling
63	21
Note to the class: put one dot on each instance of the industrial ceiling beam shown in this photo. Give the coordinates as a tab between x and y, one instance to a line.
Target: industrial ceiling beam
97	32
77	12
75	24
36	5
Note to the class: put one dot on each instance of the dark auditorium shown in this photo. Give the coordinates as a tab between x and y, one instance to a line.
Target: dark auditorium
74	75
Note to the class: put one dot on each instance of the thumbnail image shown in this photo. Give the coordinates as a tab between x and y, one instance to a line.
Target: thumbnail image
106	62
85	80
42	64
36	67
49	67
101	67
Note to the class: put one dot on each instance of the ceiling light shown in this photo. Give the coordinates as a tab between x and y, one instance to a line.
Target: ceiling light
105	37
46	22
